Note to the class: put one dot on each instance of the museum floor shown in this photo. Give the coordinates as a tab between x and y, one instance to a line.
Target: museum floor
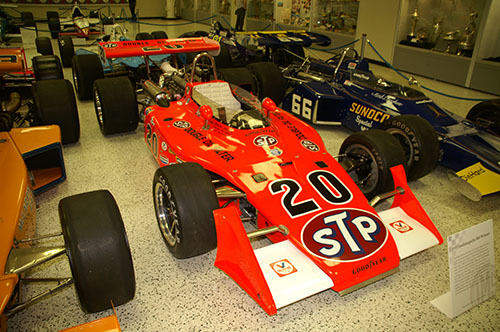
193	295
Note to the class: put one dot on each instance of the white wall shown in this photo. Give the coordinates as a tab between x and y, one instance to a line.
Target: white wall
379	20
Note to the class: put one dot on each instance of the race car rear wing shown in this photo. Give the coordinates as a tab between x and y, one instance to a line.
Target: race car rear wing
124	49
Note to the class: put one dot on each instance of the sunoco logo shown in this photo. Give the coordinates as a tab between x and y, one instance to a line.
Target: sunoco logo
344	235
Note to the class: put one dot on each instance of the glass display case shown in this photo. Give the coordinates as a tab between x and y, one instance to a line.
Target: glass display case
260	9
203	11
296	13
223	7
443	26
336	15
187	9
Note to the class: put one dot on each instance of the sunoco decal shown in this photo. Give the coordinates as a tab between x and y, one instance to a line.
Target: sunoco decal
344	235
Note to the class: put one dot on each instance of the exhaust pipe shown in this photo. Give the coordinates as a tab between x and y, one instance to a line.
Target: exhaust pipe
154	91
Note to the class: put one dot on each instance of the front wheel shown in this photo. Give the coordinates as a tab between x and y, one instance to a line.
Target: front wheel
115	105
487	115
66	50
419	141
86	69
184	198
55	103
98	250
368	157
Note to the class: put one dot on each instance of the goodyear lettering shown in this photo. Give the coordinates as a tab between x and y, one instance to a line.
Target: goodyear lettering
369	113
369	265
199	136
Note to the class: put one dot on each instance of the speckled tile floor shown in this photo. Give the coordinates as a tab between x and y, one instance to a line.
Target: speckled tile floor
193	295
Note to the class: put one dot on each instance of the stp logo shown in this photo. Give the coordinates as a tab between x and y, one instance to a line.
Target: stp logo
344	235
265	140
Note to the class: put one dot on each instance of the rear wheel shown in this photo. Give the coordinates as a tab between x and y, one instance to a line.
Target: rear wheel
159	35
487	115
44	46
54	23
86	69
116	105
66	50
223	60
98	250
239	76
368	157
143	36
419	141
47	67
269	81
55	103
184	199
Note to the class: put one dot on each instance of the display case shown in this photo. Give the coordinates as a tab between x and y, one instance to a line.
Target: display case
187	9
293	13
442	26
259	14
336	15
222	12
437	38
203	10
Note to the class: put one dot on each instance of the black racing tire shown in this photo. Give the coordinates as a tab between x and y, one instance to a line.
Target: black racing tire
47	67
184	199
223	60
98	250
239	76
54	23
159	35
44	46
282	57
55	103
269	81
5	121
378	151
486	114
28	19
86	69
66	50
115	103
419	141
143	36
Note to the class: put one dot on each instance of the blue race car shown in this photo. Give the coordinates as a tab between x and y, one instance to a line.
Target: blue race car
344	91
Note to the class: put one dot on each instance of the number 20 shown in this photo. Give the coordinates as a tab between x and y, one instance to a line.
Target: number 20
322	181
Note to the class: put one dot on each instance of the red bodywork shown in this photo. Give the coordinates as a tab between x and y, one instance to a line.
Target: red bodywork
287	174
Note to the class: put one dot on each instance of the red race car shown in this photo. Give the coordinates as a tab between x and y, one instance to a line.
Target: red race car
226	158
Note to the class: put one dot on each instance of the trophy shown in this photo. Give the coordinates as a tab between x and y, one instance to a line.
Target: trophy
451	37
437	30
414	18
466	44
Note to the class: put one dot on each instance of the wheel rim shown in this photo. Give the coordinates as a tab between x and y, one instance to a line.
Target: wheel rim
165	214
405	142
98	109
365	176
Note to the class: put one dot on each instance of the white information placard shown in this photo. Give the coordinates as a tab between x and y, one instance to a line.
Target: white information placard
472	270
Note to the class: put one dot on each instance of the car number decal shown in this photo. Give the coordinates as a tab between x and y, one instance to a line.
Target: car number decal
325	183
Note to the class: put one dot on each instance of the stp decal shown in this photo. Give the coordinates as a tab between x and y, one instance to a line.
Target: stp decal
283	267
344	235
265	140
311	146
401	226
181	124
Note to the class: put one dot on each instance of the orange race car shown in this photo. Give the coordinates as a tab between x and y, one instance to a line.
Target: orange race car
31	161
